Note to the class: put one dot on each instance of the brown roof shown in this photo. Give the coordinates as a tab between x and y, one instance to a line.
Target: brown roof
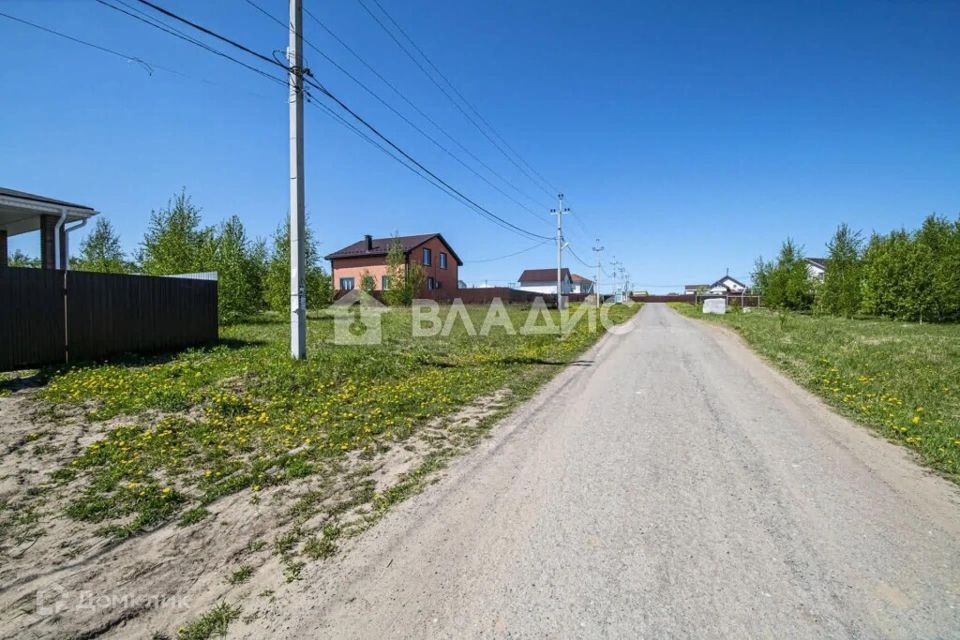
576	277
543	275
380	246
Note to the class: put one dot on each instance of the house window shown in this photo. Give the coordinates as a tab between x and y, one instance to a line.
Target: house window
431	283
384	282
443	260
426	257
346	284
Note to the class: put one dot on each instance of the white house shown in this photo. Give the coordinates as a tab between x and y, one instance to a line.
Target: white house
816	267
728	284
545	281
581	284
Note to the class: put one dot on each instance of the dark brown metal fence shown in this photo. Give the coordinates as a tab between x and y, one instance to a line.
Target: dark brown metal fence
481	295
733	299
31	317
51	317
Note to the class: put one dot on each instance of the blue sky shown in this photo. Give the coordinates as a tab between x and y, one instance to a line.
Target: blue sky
688	137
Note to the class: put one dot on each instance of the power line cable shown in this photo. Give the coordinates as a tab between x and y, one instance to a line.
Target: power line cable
509	255
471	203
399	114
437	181
465	101
156	24
327	109
445	92
579	259
420	111
213	34
148	65
129	58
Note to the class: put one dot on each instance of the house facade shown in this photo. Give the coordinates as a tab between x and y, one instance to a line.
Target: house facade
545	281
816	267
439	261
727	284
581	284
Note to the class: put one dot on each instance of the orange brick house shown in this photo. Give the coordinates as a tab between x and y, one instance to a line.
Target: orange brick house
439	261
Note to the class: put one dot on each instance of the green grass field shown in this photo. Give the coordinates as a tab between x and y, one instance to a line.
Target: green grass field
902	379
210	422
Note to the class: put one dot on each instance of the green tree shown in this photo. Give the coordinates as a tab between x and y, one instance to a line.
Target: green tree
840	293
101	250
760	276
406	281
20	259
175	242
882	274
277	276
367	282
937	281
240	265
786	283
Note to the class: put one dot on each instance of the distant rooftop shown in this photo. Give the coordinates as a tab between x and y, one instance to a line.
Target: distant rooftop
543	275
381	246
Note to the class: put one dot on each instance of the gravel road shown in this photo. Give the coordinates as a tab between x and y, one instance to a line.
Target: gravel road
669	485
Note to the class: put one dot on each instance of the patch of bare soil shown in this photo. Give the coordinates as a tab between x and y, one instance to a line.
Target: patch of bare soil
62	579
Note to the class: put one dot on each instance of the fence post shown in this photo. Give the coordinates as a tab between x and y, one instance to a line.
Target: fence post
66	320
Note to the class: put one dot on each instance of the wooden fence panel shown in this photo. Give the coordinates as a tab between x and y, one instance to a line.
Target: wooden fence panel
31	317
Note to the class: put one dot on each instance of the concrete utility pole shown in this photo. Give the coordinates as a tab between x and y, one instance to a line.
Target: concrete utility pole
559	211
298	293
597	250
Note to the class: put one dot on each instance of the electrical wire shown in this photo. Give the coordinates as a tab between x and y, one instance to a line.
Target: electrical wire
453	191
579	259
129	58
420	111
436	180
465	101
444	91
212	34
509	255
398	113
144	18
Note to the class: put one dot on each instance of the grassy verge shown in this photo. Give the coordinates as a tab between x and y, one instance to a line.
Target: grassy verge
902	379
212	422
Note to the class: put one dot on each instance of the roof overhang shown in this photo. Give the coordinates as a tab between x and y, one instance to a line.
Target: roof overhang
20	214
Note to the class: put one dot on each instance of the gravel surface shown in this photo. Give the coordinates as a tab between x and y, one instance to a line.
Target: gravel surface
669	485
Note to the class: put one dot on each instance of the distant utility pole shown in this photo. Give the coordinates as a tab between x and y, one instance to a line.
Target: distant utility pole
597	250
617	271
298	293
559	211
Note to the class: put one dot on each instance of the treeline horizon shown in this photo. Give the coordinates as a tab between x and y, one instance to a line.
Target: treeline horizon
904	275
